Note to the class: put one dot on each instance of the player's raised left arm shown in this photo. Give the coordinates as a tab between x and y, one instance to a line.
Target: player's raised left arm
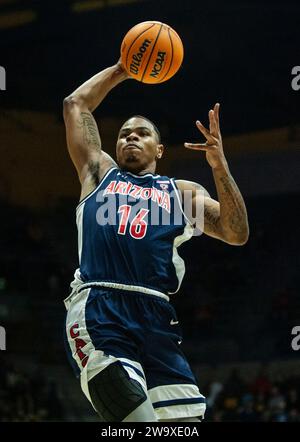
226	218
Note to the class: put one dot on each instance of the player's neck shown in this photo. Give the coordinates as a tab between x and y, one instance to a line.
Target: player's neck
150	169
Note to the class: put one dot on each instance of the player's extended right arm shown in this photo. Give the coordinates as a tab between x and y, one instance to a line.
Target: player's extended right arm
83	137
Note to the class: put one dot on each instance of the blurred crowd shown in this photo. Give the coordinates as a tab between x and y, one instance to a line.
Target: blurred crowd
27	397
34	247
259	401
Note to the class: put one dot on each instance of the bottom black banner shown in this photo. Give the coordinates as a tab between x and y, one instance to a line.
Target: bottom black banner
138	431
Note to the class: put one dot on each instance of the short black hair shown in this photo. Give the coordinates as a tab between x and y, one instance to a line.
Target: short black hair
151	122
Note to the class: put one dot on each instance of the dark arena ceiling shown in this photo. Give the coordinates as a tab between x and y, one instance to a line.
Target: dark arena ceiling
240	53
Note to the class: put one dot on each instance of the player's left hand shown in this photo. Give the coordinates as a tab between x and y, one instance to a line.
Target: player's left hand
213	146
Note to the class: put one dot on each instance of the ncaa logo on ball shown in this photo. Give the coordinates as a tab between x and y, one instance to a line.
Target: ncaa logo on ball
159	64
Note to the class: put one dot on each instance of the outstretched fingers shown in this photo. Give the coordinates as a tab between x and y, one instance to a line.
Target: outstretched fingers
213	127
195	146
201	146
202	129
212	135
208	135
214	121
216	114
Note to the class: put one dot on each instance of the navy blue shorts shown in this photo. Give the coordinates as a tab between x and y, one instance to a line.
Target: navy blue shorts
141	331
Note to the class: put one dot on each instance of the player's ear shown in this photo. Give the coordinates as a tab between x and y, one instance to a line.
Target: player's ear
159	151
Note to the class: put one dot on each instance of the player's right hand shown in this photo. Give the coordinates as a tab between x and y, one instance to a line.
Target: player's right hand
122	70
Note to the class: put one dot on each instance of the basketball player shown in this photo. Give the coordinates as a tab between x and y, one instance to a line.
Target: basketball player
122	333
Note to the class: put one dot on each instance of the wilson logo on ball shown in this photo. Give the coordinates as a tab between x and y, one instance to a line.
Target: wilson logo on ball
137	58
158	64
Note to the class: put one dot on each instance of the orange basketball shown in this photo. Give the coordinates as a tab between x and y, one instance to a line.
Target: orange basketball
151	52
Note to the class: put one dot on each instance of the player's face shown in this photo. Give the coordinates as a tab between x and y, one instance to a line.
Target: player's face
138	147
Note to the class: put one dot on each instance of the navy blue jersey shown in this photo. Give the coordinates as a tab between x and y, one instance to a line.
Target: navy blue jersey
129	229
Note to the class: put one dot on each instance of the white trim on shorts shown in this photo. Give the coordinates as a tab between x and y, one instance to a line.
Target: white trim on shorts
113	285
174	401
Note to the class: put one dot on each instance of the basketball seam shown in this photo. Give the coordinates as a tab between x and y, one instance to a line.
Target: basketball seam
151	52
153	24
171	57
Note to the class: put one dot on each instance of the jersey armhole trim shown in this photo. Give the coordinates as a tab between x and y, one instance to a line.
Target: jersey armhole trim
96	188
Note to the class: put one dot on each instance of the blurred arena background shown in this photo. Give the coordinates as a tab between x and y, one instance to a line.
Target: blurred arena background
237	306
